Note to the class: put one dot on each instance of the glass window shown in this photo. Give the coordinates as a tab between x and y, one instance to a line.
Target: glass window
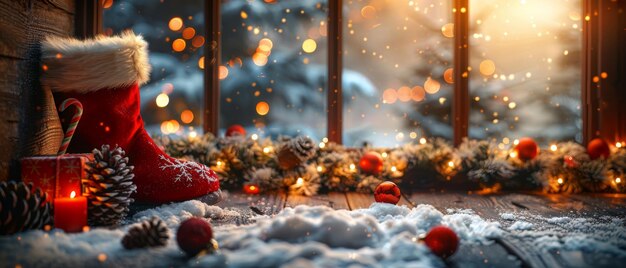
525	70
397	76
172	101
273	73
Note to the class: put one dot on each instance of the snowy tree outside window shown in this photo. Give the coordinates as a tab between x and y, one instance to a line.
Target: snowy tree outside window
397	67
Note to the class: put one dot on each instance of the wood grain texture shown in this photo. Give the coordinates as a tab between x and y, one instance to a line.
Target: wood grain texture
23	24
333	200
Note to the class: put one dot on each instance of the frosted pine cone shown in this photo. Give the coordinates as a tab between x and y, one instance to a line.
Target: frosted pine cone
109	186
295	152
21	209
149	233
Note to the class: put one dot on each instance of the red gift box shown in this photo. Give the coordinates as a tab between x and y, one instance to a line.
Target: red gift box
58	176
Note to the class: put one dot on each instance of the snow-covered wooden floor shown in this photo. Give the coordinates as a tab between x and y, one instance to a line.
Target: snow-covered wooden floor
541	210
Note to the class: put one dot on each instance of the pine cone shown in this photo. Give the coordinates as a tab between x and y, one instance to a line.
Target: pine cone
295	152
109	186
594	176
21	209
149	233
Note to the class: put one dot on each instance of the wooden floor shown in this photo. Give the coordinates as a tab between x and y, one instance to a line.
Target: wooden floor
508	251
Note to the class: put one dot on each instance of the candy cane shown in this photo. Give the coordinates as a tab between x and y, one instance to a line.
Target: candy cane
73	123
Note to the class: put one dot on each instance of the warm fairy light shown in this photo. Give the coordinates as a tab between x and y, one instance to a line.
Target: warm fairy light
368	12
384	155
186	116
487	67
618	144
513	154
86	229
320	168
106	4
197	41
448	30
299	181
162	100
73	194
193	134
431	86
265	44
553	147
176	23
223	72
267	149
243	15
352	167
394	169
259	59
309	46
322	145
59	55
189	32
418	93
390	96
512	105
450	163
102	257
559	180
448	76
179	45
219	163
325	140
516	142
201	63
404	94
422	140
618	180
170	126
254	137
262	108
44	67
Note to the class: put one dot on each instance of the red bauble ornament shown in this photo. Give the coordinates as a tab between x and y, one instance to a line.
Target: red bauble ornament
527	149
235	130
371	163
387	192
597	148
194	235
442	241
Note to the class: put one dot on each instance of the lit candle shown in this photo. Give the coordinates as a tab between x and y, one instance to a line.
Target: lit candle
251	188
70	214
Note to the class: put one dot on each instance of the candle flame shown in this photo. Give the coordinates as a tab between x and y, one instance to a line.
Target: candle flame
73	194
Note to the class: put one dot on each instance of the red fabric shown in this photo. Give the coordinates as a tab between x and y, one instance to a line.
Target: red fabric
111	116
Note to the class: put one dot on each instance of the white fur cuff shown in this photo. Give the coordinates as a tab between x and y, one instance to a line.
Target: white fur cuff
82	66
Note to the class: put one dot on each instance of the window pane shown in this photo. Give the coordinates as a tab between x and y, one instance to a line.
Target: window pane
525	78
273	70
397	77
171	102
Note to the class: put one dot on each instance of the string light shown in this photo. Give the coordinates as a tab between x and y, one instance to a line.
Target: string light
352	167
559	180
553	147
451	164
384	155
254	137
422	140
320	169
219	163
618	144
322	145
618	180
394	169
267	149
299	181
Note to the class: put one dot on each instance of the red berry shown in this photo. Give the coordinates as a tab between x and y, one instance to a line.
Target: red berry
598	148
387	192
371	163
194	235
442	241
235	130
527	149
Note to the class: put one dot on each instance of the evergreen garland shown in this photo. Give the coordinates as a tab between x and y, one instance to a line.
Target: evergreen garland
481	164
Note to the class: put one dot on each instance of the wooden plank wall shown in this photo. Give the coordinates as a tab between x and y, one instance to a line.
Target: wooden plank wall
23	24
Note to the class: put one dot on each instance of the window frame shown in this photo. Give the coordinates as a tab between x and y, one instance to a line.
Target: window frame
89	23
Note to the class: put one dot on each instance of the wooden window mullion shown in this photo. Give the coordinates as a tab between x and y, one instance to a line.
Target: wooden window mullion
212	61
460	100
334	91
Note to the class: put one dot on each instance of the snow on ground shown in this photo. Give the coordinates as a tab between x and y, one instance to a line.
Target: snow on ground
381	235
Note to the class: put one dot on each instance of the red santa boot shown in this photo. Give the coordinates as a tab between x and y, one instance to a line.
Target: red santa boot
104	74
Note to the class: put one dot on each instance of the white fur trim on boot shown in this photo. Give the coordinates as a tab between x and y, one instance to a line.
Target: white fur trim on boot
72	65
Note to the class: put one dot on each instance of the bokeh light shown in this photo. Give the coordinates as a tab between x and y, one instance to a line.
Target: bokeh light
448	30
487	67
186	116
390	96
309	46
175	24
431	86
162	100
179	45
262	108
